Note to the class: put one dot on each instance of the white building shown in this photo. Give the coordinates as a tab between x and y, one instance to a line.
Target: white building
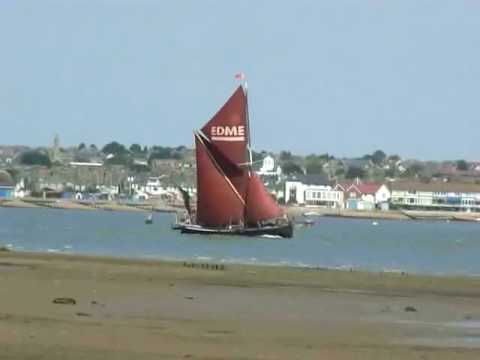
436	196
313	195
269	168
154	187
364	196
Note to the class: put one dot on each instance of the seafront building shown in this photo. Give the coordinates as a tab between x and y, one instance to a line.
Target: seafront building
312	191
360	195
316	191
7	185
435	196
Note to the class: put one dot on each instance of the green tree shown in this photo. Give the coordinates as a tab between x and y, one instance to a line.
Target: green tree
354	172
462	165
120	159
314	163
290	168
340	171
14	173
286	156
138	168
114	148
394	158
135	148
414	170
160	152
378	157
35	158
81	146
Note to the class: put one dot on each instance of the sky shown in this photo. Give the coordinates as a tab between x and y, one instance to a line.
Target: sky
338	76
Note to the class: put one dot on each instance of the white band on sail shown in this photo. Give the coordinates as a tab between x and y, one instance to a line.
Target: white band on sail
228	138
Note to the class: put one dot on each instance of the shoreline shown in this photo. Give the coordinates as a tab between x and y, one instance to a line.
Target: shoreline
294	211
68	204
415	215
365	280
145	309
208	263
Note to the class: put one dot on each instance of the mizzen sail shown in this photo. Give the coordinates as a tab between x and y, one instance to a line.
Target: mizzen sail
260	204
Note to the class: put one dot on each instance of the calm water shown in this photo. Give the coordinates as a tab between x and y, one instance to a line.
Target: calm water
423	247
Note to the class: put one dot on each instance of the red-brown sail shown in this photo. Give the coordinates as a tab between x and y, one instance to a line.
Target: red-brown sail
218	203
227	129
238	175
260	205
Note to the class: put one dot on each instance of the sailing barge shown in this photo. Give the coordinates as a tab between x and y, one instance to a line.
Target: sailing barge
231	198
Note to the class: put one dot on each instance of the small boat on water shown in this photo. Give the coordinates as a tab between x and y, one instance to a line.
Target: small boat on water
149	219
231	198
311	213
305	222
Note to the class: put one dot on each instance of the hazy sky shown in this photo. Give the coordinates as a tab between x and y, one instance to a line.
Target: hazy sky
344	77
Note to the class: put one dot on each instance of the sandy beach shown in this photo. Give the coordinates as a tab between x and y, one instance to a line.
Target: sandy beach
132	309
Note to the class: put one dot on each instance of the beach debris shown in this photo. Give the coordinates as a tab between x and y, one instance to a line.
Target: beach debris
64	301
187	356
190	297
410	309
96	303
386	309
171	284
204	266
83	314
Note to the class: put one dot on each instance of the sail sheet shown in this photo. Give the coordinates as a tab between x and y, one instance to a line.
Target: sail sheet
260	204
218	203
227	129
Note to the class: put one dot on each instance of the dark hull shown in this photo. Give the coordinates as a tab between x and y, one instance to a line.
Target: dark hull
284	230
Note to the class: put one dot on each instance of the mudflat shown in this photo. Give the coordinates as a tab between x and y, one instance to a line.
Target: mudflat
56	306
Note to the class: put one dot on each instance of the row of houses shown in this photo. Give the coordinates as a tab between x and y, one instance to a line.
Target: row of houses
360	195
315	191
436	196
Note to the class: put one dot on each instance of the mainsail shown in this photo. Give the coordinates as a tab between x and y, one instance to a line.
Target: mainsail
229	192
218	204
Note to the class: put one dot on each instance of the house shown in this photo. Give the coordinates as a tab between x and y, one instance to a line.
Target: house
435	196
269	168
312	190
364	195
7	185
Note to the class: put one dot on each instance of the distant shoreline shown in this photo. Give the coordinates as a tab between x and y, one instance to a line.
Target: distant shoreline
300	211
295	212
67	204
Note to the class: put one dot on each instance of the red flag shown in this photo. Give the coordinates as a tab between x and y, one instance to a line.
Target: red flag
240	76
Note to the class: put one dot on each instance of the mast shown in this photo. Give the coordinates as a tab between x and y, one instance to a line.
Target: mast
247	116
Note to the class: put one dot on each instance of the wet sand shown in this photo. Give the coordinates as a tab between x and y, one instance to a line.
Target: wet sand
131	309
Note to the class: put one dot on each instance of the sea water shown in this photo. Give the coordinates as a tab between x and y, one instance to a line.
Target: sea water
432	247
